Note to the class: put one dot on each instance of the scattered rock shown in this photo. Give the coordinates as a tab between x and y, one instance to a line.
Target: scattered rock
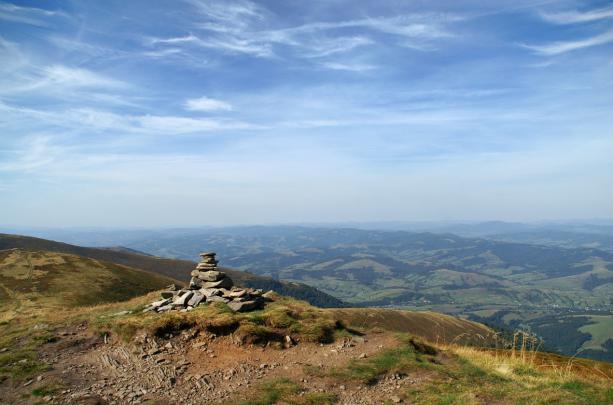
270	295
245	306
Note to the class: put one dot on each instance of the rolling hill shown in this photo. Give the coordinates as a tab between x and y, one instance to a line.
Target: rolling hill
173	268
55	346
505	284
40	279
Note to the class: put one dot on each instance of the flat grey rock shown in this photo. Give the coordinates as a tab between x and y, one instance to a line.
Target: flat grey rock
216	298
210	275
160	303
165	308
195	283
209	292
246	305
225	282
196	299
182	299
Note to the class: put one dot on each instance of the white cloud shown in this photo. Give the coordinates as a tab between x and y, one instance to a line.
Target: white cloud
556	48
90	120
207	104
58	80
338	45
350	67
236	13
35	152
242	27
148	124
27	15
574	16
176	40
76	77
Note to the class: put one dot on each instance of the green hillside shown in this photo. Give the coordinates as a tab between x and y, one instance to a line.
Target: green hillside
39	279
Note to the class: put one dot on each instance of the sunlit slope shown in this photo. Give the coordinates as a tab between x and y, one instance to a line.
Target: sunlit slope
40	279
428	325
174	268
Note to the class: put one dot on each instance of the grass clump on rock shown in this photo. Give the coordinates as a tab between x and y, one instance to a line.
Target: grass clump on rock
281	318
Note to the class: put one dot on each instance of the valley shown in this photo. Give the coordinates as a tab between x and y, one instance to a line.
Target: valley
507	285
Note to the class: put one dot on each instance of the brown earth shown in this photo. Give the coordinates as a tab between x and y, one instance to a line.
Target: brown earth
195	369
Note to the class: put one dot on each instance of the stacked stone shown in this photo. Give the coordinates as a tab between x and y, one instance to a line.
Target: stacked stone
207	285
206	274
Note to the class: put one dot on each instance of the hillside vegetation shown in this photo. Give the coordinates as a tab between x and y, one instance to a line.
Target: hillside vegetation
40	280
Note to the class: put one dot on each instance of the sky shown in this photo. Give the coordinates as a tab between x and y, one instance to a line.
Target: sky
197	112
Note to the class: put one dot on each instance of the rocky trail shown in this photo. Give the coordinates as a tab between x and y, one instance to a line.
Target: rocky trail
197	368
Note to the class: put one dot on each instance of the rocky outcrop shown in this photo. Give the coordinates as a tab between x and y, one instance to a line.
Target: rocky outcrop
207	285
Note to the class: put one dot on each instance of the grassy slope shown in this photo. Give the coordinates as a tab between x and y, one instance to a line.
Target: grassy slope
428	325
450	374
55	280
41	290
174	268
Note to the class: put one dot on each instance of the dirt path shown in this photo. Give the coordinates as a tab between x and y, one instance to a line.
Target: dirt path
196	369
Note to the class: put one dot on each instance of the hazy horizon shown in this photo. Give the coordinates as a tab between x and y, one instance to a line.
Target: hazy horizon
158	114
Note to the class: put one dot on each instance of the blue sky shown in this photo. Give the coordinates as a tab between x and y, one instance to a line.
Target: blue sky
157	113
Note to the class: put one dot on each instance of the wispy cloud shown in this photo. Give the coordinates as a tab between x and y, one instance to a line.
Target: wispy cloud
92	120
27	15
56	78
574	16
234	13
12	58
244	27
560	47
35	152
207	104
76	77
350	67
328	47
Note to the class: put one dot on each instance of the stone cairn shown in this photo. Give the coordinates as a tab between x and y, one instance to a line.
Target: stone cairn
208	284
